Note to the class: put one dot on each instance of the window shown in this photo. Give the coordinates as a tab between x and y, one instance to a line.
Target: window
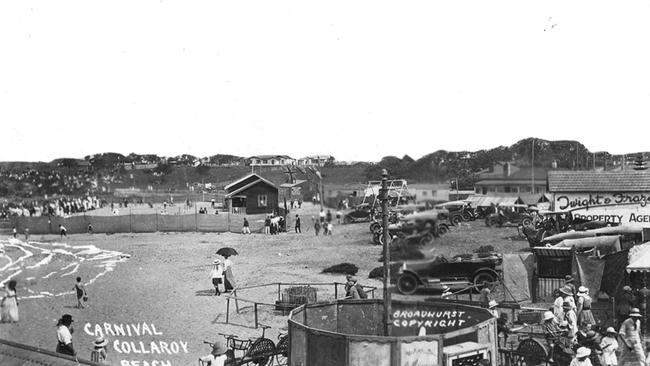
424	193
507	189
265	161
261	200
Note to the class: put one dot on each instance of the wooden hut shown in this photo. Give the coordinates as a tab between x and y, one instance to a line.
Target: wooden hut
252	194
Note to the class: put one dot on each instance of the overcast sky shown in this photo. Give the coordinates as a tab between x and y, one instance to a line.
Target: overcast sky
355	79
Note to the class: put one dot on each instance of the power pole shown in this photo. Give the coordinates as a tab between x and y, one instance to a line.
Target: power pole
532	169
384	223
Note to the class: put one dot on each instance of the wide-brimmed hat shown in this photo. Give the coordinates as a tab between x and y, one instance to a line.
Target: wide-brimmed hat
100	342
566	304
566	290
583	289
548	315
218	348
583	352
627	288
216	261
351	278
492	304
635	312
610	330
568	278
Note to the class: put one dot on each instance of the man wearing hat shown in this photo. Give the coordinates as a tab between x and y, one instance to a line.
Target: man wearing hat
609	346
218	355
353	290
582	357
592	342
571	320
64	336
625	303
99	352
568	282
492	307
630	335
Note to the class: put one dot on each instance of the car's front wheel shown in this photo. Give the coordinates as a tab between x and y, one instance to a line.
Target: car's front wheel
484	276
407	284
347	220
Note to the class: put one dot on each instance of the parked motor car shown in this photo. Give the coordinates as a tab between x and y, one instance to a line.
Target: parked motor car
361	213
510	214
461	270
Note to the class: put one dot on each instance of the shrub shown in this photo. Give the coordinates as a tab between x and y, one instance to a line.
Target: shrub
484	249
344	268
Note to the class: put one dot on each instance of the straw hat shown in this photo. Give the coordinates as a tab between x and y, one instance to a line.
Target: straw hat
101	342
492	304
583	289
583	352
548	315
635	312
627	288
566	290
610	330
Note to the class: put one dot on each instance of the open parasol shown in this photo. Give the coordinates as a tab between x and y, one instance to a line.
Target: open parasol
227	251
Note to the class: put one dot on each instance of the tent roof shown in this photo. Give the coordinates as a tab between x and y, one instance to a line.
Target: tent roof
599	242
641	261
570	235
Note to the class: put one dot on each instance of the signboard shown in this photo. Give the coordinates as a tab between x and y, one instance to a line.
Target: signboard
420	353
413	320
617	208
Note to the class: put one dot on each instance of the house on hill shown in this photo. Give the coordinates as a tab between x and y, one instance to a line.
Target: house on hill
251	194
270	160
316	160
509	178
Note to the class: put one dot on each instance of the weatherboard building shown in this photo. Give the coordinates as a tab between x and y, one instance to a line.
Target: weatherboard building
620	197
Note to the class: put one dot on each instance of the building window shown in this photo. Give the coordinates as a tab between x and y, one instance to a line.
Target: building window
507	189
265	161
261	200
493	189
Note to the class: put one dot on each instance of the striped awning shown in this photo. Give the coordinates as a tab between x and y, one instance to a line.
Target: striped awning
552	252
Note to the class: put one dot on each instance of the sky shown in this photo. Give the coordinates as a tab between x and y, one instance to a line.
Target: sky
355	79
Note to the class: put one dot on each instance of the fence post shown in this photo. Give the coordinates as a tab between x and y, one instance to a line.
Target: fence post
196	219
255	315
336	291
130	221
279	291
227	309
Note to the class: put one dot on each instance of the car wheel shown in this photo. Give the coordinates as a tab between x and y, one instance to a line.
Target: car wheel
407	284
375	227
443	229
456	220
489	221
381	239
527	221
481	277
426	239
467	217
347	220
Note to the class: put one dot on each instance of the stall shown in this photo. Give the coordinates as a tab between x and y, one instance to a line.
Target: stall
350	332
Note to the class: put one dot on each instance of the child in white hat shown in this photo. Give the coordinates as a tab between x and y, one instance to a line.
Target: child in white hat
609	345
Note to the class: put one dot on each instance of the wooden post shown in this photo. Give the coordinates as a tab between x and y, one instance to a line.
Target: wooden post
255	315
336	291
227	309
234	293
279	291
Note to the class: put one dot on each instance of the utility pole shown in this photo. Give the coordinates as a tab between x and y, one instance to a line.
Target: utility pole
383	193
532	169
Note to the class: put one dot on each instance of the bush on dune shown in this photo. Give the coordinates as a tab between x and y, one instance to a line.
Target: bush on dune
343	268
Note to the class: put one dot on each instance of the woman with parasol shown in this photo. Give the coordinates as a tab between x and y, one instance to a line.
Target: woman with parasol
216	274
229	279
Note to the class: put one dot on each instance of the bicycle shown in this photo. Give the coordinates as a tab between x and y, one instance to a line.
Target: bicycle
282	349
253	351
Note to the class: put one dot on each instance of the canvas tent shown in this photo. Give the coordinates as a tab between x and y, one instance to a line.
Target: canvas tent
608	244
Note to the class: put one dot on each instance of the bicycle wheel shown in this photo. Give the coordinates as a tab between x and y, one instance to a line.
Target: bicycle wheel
282	351
261	352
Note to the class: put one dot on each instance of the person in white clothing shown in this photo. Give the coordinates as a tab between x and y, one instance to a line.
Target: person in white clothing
64	336
609	345
216	274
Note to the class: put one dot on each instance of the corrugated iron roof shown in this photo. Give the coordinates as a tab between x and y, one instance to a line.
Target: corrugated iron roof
593	181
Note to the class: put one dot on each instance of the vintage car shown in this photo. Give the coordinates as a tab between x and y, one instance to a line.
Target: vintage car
510	214
360	213
461	270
